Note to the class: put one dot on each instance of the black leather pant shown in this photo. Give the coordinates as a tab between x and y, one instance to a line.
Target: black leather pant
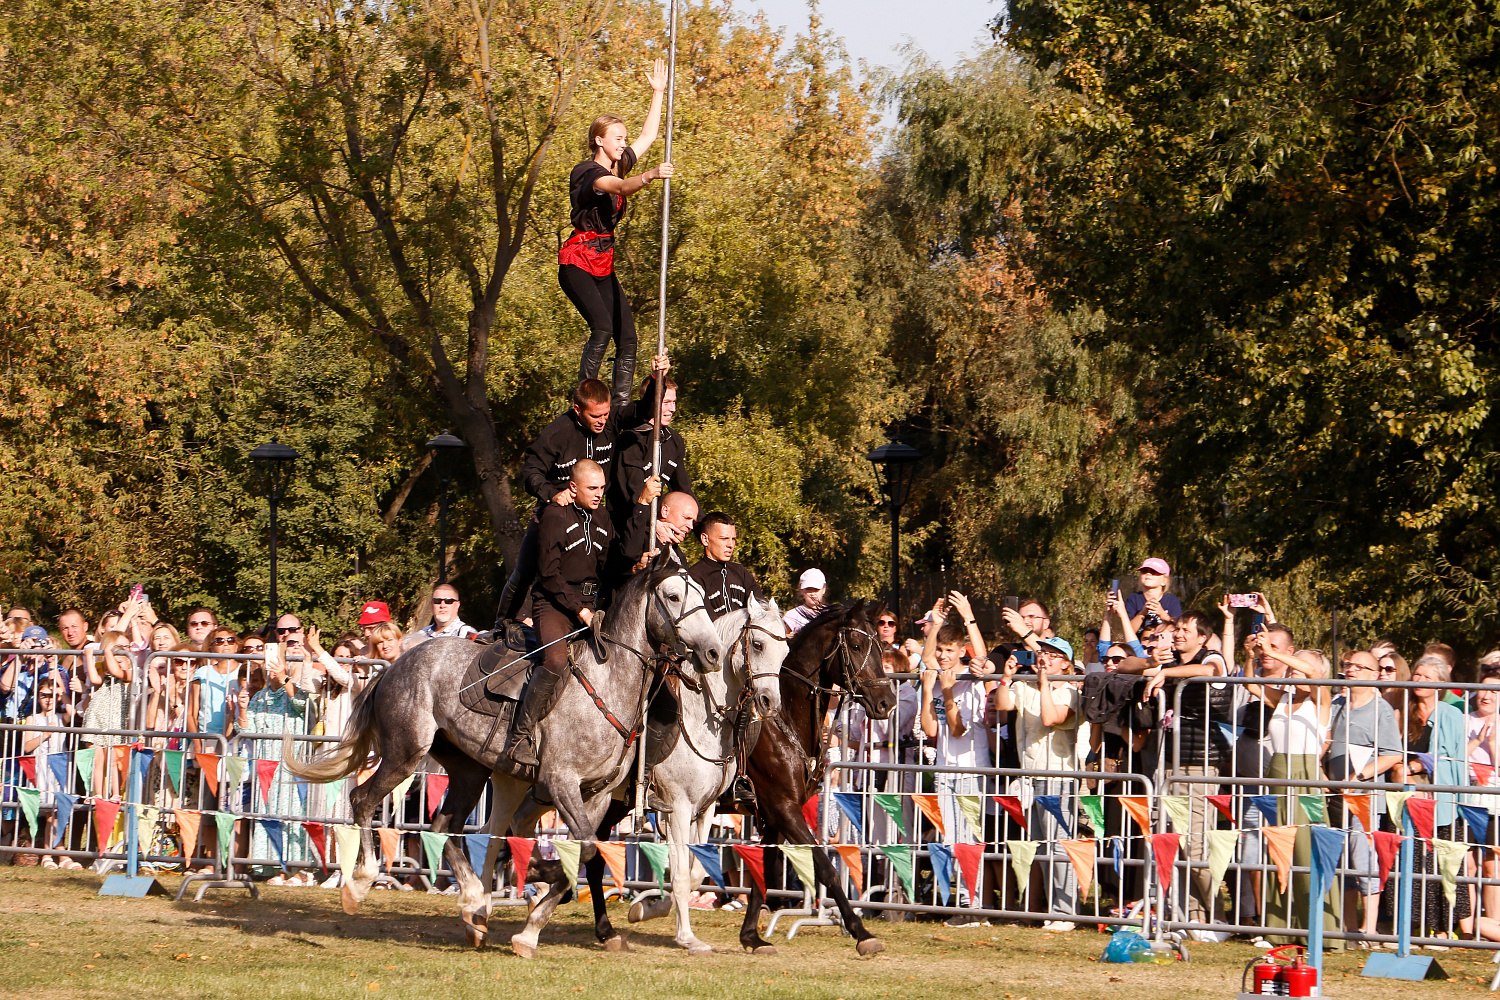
606	309
518	585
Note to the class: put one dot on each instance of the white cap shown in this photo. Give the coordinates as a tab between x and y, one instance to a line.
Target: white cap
812	579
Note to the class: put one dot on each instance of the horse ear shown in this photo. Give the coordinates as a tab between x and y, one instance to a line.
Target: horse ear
753	606
773	609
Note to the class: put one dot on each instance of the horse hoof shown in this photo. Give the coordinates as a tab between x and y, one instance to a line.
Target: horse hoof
475	936
700	949
764	949
869	946
650	909
521	948
617	943
349	899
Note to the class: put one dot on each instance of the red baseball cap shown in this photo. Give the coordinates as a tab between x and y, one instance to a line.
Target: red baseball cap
374	613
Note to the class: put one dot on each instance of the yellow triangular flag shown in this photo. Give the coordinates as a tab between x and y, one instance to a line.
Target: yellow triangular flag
1022	854
347	840
568	852
1179	810
972	806
1221	845
800	855
1450	858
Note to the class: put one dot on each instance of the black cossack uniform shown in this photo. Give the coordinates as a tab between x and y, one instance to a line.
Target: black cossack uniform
549	461
727	586
632	466
572	544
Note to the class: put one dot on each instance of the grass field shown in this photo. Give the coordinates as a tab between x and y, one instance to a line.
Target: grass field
59	940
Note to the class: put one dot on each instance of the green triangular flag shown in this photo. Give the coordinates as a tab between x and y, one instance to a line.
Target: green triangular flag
31	804
657	854
172	764
569	852
800	855
1093	811
892	806
1221	845
335	789
1314	807
1179	811
234	771
225	822
972	806
900	855
432	846
1022	854
84	759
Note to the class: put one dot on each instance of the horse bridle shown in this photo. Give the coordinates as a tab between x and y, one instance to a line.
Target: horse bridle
680	648
721	712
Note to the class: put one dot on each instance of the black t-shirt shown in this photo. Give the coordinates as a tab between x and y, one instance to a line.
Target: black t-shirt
595	211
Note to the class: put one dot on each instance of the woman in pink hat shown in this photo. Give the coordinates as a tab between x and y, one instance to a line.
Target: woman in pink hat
1152	600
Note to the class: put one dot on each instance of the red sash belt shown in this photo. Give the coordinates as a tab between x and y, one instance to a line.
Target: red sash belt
594	252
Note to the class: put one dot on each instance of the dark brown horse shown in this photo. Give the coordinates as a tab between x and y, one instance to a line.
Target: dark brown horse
835	652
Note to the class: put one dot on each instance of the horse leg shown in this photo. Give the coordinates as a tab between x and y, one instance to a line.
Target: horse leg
465	784
396	765
603	929
679	834
865	942
750	938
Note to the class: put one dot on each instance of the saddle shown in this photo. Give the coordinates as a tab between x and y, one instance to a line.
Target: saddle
495	680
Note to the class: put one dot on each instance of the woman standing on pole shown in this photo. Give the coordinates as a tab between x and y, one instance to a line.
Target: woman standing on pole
598	188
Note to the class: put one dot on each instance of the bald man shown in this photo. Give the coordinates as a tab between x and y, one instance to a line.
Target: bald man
635	544
573	540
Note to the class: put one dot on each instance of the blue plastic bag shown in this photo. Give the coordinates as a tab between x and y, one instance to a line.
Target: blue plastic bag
1125	947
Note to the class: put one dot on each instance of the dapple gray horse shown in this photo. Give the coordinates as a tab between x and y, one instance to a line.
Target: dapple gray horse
412	709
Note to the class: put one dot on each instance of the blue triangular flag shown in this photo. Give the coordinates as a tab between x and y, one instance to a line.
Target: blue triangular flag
141	759
1119	852
708	857
942	868
477	845
1053	804
276	834
1230	733
302	792
1429	763
1477	818
65	805
1328	847
849	805
57	763
1267	806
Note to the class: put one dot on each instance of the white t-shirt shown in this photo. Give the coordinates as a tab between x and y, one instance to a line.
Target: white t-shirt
1299	731
876	733
972	749
1049	748
797	618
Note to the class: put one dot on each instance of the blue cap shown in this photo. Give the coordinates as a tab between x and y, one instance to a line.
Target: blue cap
35	633
1060	645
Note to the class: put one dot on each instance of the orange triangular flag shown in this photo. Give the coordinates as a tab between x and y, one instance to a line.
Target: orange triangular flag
390	843
188	821
1139	809
1280	840
121	757
1359	807
1081	853
209	764
613	853
855	862
929	806
364	775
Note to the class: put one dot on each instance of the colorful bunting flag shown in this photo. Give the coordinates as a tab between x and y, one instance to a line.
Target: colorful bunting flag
1221	845
1093	811
1314	808
1450	857
432	847
84	760
855	862
613	853
208	763
119	757
28	768
1422	812
520	856
1359	806
1327	849
331	792
171	762
1280	841
1139	808
1082	854
476	846
754	857
1395	802
892	806
970	857
145	827
1482	773
437	788
347	840
65	805
225	822
707	855
1012	805
365	774
930	808
810	813
941	857
850	806
1164	851
1022	854
1266	804
390	845
801	857
57	763
188	821
570	853
276	837
657	855
900	858
1117	848
398	795
1179	810
1053	805
234	772
317	835
1387	846
1223	803
106	812
1477	819
31	806
265	771
141	761
972	807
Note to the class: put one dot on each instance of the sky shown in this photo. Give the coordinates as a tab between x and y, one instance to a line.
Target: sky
872	29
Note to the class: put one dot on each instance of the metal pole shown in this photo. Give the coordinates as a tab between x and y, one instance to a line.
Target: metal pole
896	561
273	549
443	534
661	392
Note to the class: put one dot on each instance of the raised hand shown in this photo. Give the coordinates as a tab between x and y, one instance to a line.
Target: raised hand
658	76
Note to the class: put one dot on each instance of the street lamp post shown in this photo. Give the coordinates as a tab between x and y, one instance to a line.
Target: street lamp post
895	470
444	445
278	458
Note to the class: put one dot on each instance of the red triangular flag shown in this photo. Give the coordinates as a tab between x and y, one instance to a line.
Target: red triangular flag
1225	805
105	812
1386	847
28	768
1164	849
520	856
208	763
810	813
969	857
1421	812
265	770
1482	773
755	859
1012	805
319	837
855	863
437	787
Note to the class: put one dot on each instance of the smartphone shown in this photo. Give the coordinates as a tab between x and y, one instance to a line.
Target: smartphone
1014	603
1114	587
137	592
1243	600
1025	657
1259	627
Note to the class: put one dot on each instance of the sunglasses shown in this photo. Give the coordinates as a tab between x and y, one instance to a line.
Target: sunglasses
445	600
288	630
203	624
1114	659
225	640
886	623
253	649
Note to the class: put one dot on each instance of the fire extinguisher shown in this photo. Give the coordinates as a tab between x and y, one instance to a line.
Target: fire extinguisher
1278	976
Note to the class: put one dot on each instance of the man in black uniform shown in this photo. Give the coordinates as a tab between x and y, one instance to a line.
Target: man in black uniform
635	540
727	585
632	465
586	431
573	540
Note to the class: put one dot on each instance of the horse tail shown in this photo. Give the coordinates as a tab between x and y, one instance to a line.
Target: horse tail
361	739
